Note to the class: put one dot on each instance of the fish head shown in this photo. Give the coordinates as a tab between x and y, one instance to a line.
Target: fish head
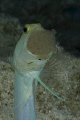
34	48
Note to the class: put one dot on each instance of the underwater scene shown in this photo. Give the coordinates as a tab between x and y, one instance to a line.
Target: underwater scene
40	60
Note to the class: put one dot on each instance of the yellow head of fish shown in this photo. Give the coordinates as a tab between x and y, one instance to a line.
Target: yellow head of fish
34	48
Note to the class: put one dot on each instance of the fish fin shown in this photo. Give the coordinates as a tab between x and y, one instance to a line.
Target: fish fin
50	90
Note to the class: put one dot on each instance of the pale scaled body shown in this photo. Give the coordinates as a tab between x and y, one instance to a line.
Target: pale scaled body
33	50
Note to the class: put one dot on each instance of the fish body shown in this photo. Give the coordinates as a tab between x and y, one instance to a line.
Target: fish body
24	99
32	52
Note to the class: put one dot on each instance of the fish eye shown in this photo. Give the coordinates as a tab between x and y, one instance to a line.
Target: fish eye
39	59
25	29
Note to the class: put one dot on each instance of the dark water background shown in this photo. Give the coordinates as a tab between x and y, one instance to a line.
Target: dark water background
63	16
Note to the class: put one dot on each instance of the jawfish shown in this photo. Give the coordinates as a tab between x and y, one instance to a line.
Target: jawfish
32	52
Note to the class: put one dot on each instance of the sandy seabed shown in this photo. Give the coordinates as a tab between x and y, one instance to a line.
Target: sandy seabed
62	76
47	106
